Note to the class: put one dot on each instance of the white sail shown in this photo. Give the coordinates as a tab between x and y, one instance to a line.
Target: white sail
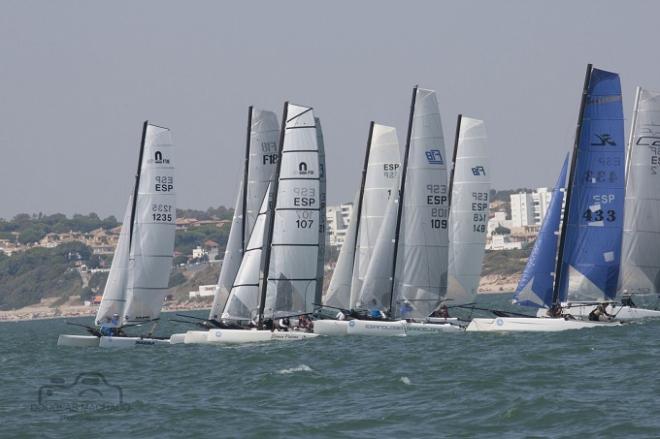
114	293
243	301
260	167
293	270
640	265
422	255
377	286
338	294
381	182
469	212
152	242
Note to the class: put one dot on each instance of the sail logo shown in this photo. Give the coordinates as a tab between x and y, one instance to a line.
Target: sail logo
648	141
478	170
159	160
303	169
434	157
603	140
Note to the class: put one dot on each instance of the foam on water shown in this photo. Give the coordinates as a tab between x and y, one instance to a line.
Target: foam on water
301	368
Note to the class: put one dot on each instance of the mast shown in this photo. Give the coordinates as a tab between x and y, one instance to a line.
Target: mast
569	187
246	170
450	188
271	221
137	184
631	138
362	184
401	190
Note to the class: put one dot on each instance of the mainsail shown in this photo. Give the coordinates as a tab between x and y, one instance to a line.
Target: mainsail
469	211
260	160
143	264
294	236
590	247
379	183
640	265
243	301
536	283
422	240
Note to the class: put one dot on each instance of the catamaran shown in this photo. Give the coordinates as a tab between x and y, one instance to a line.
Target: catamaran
140	270
407	273
586	263
261	150
281	274
379	181
639	276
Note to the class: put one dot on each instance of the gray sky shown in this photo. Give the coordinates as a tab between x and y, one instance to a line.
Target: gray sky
78	78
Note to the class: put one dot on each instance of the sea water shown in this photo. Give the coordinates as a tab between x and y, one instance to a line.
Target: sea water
590	382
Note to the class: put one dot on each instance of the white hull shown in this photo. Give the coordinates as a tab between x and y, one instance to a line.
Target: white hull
415	328
239	336
621	313
80	341
331	327
377	328
177	338
130	342
531	324
195	337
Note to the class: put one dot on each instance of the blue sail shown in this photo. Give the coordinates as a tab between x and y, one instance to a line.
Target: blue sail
537	281
592	243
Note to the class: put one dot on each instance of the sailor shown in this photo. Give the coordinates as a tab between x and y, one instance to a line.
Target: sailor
554	311
442	312
627	301
283	324
406	308
376	314
110	327
600	313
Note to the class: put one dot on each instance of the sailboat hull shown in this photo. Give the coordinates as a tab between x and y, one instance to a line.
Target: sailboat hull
621	313
239	336
79	341
178	338
331	327
422	328
531	324
195	337
130	342
377	328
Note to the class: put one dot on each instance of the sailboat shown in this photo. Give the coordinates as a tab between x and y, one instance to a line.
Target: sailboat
139	275
280	277
259	165
639	276
407	276
379	181
586	263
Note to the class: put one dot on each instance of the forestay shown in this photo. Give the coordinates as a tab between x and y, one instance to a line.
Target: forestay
293	269
153	227
243	301
592	243
537	281
640	264
469	212
420	279
260	161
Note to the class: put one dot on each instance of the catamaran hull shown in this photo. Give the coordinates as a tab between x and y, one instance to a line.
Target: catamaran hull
130	342
621	313
178	338
331	327
531	324
195	337
377	328
79	341
422	328
239	336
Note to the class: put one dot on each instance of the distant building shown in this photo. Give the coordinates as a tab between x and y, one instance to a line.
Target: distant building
529	209
337	219
203	291
199	252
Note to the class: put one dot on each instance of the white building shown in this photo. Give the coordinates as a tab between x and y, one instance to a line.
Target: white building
529	209
199	252
337	219
203	291
503	242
